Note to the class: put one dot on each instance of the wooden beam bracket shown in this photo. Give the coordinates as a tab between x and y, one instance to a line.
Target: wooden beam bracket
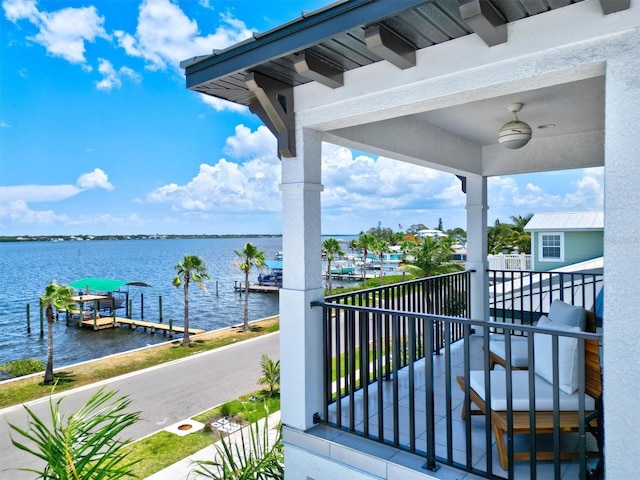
274	106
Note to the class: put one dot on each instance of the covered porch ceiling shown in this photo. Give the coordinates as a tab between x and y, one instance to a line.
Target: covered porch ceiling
328	46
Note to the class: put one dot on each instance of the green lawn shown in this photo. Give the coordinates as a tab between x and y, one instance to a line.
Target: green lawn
162	449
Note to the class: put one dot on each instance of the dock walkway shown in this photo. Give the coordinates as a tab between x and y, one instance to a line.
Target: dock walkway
239	287
100	323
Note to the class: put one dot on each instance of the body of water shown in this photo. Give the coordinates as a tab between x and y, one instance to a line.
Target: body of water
27	267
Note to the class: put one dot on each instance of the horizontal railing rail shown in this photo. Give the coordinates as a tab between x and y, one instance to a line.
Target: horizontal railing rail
523	296
380	383
439	295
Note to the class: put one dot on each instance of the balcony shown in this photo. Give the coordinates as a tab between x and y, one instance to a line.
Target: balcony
393	355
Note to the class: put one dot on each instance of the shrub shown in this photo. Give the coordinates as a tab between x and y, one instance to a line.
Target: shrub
20	368
247	457
225	410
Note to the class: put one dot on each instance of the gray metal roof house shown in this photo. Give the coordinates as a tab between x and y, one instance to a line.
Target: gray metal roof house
560	239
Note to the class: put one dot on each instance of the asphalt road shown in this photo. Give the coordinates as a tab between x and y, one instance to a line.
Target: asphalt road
165	395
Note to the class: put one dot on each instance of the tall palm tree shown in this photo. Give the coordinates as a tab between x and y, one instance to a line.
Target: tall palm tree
58	297
191	269
379	246
364	243
330	249
250	256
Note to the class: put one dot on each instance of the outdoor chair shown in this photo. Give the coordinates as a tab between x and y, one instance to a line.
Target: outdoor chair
559	312
569	418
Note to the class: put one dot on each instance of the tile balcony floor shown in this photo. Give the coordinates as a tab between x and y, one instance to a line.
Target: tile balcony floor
545	469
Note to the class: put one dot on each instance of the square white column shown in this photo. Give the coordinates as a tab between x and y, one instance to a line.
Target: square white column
477	245
301	326
621	354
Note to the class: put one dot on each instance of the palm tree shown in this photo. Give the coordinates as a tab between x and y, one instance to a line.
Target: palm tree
191	268
249	257
518	238
58	297
364	243
85	444
432	256
379	246
270	372
330	249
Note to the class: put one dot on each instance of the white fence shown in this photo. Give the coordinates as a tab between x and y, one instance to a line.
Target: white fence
510	261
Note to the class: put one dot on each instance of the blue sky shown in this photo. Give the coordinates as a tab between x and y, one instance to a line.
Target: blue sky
98	134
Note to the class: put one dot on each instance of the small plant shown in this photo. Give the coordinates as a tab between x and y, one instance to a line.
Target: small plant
83	445
270	373
247	457
20	368
225	409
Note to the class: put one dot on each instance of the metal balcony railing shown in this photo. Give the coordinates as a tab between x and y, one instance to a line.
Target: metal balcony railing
392	356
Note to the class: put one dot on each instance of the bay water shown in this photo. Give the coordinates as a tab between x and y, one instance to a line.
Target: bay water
27	267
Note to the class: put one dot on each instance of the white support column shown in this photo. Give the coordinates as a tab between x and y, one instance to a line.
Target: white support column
621	372
477	245
301	326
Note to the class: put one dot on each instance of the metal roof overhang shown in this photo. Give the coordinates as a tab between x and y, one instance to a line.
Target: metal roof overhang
103	284
262	71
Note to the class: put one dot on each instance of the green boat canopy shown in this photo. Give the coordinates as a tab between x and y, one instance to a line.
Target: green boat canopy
103	284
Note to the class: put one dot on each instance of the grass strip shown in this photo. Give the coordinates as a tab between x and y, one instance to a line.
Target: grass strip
163	449
23	390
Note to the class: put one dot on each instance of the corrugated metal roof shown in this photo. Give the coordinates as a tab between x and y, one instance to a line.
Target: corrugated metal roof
566	221
335	36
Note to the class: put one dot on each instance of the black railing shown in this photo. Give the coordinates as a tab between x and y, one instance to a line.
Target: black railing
442	295
522	296
380	383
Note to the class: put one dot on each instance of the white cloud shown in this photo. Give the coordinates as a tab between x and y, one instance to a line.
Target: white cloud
248	144
220	105
166	36
351	182
19	213
232	186
37	193
16	10
63	32
582	190
95	179
225	187
112	78
54	193
4	124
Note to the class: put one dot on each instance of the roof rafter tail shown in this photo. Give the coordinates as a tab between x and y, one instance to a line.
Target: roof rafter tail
390	46
485	20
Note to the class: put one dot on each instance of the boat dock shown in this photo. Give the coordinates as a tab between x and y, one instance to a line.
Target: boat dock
239	287
93	319
102	322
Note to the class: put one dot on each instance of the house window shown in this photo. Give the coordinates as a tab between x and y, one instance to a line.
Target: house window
552	247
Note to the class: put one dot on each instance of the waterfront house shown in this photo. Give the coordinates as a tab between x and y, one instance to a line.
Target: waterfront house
430	82
561	239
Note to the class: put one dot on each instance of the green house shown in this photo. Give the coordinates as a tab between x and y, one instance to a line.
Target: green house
560	239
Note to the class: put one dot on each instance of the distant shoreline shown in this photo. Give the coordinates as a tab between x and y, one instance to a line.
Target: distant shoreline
78	238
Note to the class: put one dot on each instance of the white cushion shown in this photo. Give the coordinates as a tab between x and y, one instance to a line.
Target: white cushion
520	392
519	350
567	355
570	315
